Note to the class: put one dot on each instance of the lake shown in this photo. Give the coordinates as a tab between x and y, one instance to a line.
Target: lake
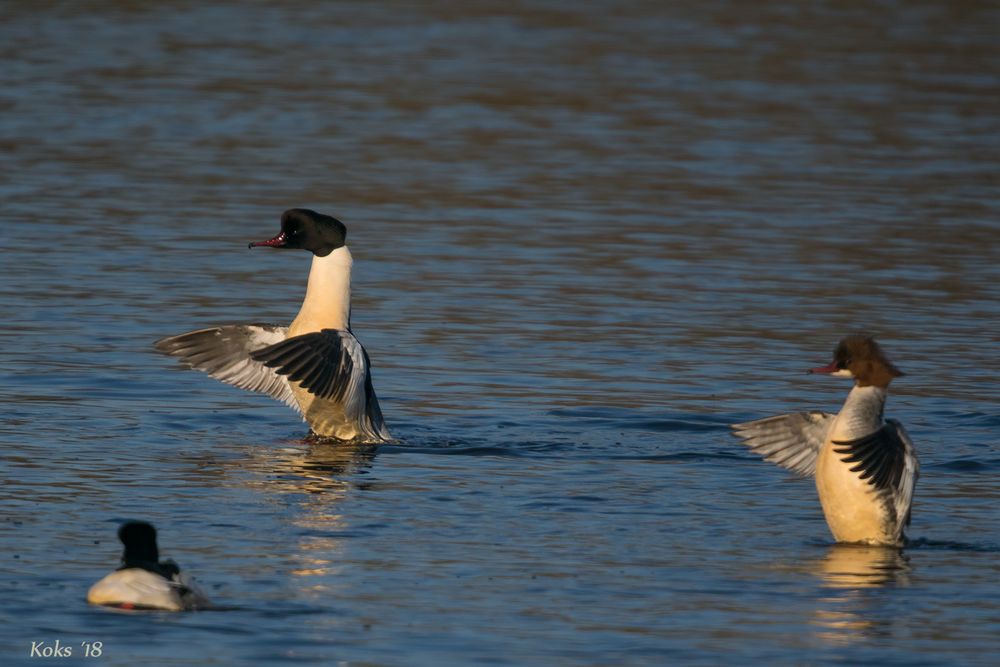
587	238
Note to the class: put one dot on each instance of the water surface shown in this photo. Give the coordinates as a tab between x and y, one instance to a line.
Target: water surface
587	238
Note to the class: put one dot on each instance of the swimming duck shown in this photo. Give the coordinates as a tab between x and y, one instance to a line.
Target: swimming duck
865	467
315	365
144	581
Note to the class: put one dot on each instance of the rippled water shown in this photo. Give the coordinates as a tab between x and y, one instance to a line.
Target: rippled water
587	238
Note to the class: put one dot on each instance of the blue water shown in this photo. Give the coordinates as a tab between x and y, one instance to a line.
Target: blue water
586	240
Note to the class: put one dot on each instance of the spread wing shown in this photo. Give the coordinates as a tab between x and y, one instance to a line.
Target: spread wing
330	363
792	441
225	353
886	458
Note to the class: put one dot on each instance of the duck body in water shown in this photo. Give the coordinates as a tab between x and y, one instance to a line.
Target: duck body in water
865	466
144	582
315	365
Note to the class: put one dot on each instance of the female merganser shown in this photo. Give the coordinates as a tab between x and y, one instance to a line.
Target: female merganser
865	467
315	365
143	581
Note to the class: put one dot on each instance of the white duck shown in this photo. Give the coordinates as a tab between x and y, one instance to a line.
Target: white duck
315	365
144	581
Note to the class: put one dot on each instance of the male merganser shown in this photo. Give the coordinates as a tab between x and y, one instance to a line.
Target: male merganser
315	365
865	467
143	581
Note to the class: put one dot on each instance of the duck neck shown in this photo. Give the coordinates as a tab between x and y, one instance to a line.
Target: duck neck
862	412
328	295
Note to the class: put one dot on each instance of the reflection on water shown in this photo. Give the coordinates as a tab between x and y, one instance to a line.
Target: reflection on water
851	573
312	478
856	566
307	466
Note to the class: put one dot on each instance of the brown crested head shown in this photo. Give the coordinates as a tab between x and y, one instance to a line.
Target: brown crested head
861	358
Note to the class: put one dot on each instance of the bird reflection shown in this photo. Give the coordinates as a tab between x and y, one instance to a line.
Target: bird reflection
311	478
308	466
853	574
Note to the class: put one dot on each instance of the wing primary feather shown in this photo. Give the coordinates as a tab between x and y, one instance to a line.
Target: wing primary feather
792	441
879	457
227	353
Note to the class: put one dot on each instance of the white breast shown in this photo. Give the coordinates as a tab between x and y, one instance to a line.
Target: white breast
327	304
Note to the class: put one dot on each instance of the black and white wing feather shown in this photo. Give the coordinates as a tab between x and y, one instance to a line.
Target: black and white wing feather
887	459
792	441
330	364
226	353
